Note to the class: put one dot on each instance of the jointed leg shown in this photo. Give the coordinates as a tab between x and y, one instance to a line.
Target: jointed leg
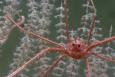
37	56
66	20
103	57
88	68
18	24
92	25
99	43
93	6
49	69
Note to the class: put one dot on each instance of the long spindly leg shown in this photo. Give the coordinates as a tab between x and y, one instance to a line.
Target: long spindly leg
50	68
18	24
103	57
92	25
36	57
99	43
66	20
88	68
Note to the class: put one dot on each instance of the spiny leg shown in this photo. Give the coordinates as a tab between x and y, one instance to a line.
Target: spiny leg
99	43
66	20
18	70
93	6
90	34
37	56
103	57
92	25
20	21
88	68
55	63
32	33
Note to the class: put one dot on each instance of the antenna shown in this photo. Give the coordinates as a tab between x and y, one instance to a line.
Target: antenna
66	20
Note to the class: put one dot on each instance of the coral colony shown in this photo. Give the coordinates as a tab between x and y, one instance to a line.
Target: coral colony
81	52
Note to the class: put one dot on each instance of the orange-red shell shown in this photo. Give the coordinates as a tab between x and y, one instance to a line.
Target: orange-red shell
76	49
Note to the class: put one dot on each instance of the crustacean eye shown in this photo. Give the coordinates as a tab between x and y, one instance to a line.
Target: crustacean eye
73	44
78	45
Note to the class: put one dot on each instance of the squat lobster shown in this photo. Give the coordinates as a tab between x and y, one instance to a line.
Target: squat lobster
76	49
